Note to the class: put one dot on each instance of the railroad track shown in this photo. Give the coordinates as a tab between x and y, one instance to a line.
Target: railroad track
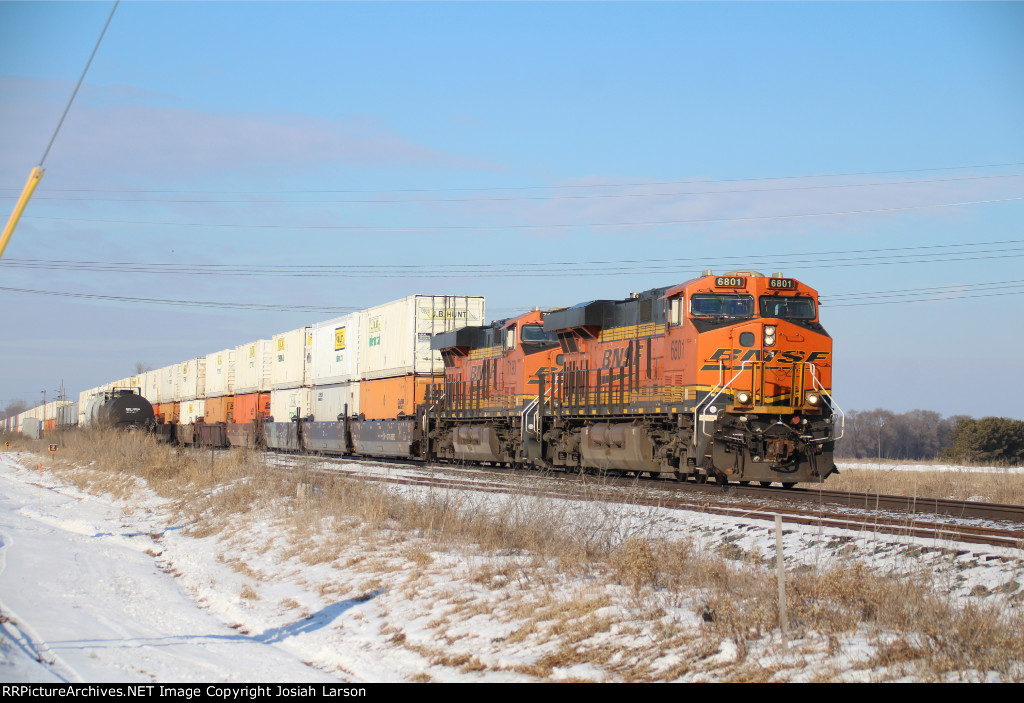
878	514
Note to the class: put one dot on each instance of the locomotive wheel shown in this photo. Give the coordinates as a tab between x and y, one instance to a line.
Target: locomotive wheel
700	478
788	484
765	484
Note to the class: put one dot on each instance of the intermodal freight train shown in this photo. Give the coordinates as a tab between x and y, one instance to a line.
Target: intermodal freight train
723	377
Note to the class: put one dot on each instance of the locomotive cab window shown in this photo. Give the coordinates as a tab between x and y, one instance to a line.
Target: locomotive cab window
721	305
675	312
510	338
787	307
535	334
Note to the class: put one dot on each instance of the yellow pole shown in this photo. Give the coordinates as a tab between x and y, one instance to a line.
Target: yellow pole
12	222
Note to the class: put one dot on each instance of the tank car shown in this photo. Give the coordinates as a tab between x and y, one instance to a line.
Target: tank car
120	407
725	377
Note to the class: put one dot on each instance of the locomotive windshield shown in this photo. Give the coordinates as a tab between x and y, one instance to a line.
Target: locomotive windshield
533	334
721	305
787	307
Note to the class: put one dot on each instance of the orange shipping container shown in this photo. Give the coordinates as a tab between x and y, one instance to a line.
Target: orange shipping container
247	405
170	411
385	398
219	409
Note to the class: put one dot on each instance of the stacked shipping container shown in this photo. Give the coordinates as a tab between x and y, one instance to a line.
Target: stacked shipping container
252	391
376	363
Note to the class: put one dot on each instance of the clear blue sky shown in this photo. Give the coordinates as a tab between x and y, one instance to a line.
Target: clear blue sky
467	147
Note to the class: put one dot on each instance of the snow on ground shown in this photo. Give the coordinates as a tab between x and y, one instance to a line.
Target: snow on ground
888	465
93	589
84	600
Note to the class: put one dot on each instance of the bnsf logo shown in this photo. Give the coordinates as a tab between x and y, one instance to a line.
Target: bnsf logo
725	356
614	358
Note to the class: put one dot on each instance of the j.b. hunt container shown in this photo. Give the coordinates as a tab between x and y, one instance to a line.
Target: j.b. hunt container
394	338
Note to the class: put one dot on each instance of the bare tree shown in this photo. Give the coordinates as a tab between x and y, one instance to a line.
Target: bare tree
13	408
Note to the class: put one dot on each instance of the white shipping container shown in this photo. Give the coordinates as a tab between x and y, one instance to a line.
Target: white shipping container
150	386
335	351
30	427
168	391
83	398
289	366
50	409
329	401
192	379
191	410
394	338
220	373
286	402
252	367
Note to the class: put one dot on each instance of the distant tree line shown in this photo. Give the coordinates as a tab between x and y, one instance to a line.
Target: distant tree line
924	434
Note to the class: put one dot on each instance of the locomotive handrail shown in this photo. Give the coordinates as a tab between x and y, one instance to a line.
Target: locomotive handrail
816	382
709	399
821	389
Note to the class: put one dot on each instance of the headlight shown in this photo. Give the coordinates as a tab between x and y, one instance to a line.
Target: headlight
812	398
743	398
769	335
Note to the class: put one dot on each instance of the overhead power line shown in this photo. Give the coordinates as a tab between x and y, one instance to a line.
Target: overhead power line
521	198
576	186
508	227
931	253
920	300
187	303
942	293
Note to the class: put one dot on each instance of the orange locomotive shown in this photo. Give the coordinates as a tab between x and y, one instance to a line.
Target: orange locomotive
722	376
726	377
488	407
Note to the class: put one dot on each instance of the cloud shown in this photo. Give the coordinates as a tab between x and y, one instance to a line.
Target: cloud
120	133
759	207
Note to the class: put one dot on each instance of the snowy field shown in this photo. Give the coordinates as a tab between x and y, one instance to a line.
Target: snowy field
886	465
98	590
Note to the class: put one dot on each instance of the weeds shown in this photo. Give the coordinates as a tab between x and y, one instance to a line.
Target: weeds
991	486
572	583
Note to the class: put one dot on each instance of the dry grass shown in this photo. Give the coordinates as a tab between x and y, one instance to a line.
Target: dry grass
622	616
990	487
